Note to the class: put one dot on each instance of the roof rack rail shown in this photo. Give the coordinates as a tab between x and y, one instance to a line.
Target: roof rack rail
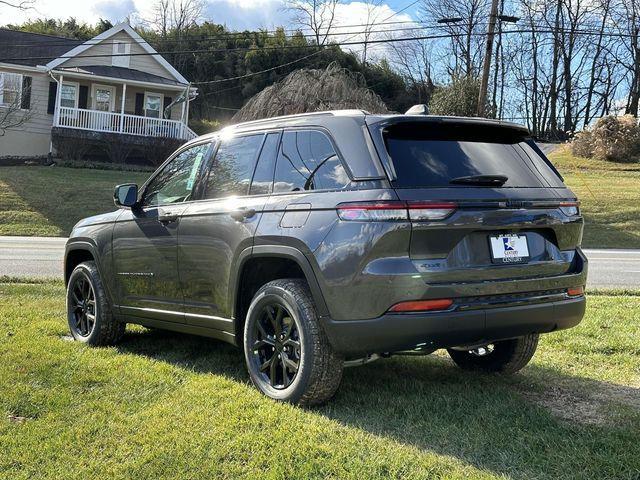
298	115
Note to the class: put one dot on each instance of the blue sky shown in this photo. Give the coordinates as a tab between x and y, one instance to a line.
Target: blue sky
236	14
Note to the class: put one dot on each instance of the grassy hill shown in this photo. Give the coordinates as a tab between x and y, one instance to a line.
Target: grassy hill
164	405
49	201
45	201
609	195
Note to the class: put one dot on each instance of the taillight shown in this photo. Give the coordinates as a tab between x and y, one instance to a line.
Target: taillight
422	305
430	210
373	211
395	210
570	208
575	291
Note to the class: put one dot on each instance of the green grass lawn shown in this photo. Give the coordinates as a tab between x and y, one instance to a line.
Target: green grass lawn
164	405
50	200
610	196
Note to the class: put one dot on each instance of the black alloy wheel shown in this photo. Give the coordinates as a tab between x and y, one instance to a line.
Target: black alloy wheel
288	355
89	312
276	349
83	305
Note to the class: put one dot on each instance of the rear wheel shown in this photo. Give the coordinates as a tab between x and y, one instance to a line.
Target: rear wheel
506	356
88	310
288	355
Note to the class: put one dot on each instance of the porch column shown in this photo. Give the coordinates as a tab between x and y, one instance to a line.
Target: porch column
56	112
124	94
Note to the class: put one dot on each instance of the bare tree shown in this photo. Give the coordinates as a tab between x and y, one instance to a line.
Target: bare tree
19	4
373	16
413	60
176	16
465	49
12	115
318	16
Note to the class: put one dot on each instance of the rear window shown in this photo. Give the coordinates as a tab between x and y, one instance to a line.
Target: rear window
432	155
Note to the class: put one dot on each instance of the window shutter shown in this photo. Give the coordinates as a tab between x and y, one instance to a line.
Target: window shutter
25	99
53	91
139	103
83	96
167	102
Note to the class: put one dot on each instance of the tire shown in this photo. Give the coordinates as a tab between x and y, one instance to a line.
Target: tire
508	356
88	311
288	303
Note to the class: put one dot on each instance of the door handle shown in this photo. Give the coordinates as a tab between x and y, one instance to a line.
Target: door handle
167	217
242	214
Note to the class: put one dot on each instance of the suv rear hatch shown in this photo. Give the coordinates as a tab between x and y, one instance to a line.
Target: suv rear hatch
507	213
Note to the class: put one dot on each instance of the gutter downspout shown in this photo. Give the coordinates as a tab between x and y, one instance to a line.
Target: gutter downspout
54	113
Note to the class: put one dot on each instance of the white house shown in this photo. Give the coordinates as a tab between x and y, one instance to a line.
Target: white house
114	83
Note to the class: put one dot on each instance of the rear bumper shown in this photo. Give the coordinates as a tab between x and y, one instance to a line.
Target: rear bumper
395	332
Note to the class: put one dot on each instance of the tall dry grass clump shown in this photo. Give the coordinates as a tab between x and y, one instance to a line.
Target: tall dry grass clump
310	90
612	138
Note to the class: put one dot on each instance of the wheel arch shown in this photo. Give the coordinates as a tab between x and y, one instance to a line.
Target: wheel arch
268	263
75	254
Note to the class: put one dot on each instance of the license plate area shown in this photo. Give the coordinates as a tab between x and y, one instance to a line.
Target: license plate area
508	249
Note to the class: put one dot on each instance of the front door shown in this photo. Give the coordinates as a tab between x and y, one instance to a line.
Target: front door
103	101
103	98
214	231
145	240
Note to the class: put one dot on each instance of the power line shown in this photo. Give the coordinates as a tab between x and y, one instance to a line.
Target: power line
233	35
239	77
295	32
335	44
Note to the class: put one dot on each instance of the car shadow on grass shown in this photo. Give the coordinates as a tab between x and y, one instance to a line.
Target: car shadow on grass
539	423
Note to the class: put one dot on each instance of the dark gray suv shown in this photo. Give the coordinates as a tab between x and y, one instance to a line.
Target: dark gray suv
322	240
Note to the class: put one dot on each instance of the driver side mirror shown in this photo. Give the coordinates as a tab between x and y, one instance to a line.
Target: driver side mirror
126	195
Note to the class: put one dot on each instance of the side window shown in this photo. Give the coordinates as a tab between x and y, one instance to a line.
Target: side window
263	176
308	161
232	168
175	181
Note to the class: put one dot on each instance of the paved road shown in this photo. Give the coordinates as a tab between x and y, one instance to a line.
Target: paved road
42	258
39	257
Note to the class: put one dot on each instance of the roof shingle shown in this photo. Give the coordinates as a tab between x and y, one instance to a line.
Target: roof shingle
16	47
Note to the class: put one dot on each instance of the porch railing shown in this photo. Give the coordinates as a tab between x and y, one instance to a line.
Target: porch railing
99	121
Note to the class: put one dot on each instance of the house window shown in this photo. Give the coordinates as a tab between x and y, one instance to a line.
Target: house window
69	95
152	105
10	89
121	50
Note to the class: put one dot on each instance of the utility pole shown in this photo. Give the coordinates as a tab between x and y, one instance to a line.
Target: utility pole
486	67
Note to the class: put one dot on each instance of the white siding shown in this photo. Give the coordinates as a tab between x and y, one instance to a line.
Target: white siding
144	63
37	127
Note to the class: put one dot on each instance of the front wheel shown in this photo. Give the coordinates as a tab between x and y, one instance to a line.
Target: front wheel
88	310
506	356
288	355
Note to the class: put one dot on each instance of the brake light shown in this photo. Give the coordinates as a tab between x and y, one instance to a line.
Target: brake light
575	291
570	208
373	211
422	305
395	210
430	210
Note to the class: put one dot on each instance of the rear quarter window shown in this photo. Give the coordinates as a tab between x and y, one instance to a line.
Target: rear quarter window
432	155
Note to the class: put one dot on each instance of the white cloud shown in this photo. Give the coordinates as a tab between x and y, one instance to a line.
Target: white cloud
236	14
357	13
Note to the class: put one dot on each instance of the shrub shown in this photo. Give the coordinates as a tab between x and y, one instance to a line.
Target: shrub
459	98
612	138
117	151
71	148
204	126
159	150
582	144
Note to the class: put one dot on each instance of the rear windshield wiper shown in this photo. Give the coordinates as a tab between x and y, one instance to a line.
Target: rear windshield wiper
481	180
